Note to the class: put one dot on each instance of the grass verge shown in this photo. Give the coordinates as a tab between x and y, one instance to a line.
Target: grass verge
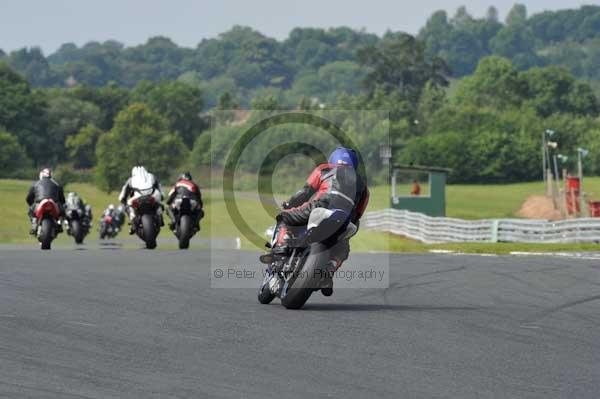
464	201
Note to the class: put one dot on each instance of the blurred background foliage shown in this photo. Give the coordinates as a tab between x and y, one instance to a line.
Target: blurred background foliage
470	93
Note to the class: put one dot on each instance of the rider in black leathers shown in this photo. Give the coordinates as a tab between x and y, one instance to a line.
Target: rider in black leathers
45	188
185	186
86	209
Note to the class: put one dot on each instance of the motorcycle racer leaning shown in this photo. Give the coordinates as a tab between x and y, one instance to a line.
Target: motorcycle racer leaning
332	185
185	186
45	188
140	179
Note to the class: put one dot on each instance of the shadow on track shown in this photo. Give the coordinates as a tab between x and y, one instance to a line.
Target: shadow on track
110	245
370	307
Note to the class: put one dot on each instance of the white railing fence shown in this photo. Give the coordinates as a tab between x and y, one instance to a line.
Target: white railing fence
432	230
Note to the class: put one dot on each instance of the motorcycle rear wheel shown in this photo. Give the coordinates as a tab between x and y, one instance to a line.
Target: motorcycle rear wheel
185	231
149	231
46	234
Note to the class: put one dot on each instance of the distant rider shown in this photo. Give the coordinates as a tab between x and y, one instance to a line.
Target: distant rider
332	185
117	215
74	201
185	187
110	211
45	188
140	179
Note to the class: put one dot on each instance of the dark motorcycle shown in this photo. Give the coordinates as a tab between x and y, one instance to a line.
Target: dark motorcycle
47	215
109	227
187	212
78	222
305	265
147	219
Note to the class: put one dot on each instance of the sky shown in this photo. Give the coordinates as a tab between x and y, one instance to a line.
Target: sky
50	23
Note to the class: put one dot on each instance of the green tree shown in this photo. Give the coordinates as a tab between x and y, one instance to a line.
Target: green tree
399	64
431	101
22	113
139	136
514	41
481	145
157	59
517	15
179	103
97	65
82	146
12	155
225	110
33	65
554	90
461	17
212	89
340	76
495	83
267	103
436	33
111	99
492	14
66	116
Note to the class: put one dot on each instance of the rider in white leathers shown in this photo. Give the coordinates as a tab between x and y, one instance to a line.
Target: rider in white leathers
140	183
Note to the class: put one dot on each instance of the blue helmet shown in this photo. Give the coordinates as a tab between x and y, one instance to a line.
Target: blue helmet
344	156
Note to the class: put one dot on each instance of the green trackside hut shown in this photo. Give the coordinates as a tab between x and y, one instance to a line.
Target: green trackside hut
432	202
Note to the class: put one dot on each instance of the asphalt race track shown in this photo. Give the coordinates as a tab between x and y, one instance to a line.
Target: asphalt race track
117	323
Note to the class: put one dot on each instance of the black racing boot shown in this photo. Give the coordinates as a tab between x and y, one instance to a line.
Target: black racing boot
267	258
34	227
278	250
327	282
327	286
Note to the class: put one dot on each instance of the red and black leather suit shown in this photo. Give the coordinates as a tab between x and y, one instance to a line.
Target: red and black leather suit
328	186
185	188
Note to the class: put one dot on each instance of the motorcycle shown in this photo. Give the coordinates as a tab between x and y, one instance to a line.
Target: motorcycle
186	211
147	219
109	227
77	222
305	266
47	215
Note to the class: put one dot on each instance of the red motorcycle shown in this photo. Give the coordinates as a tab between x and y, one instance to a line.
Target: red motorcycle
47	214
109	227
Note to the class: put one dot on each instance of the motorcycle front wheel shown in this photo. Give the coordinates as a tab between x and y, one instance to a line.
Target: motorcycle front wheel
77	231
265	296
308	278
